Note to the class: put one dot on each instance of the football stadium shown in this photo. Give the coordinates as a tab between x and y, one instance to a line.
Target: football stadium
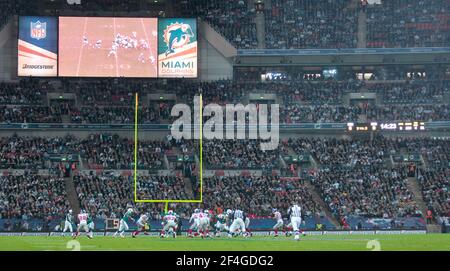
237	125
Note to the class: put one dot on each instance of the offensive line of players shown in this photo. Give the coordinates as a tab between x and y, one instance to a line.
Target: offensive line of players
234	222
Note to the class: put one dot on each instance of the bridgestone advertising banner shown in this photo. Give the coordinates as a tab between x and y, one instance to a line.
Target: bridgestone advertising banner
38	46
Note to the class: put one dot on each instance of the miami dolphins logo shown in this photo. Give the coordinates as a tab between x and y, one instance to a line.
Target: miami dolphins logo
176	36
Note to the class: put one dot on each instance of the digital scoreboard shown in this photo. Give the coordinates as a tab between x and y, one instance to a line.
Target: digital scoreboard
386	126
129	47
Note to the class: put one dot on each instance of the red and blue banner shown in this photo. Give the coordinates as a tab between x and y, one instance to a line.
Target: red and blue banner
38	46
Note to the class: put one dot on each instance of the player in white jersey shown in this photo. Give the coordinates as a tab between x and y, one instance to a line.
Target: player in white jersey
289	229
194	220
169	225
118	38
296	219
124	42
68	222
143	44
142	225
83	224
152	59
98	44
134	43
203	224
113	50
279	221
247	225
238	224
141	58
85	41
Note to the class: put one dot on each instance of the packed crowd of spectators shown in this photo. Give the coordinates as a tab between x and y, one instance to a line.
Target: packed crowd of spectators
18	152
352	176
354	152
258	195
417	91
435	189
30	114
106	5
103	92
103	196
233	19
314	92
162	188
369	193
108	196
311	24
296	113
348	152
238	154
111	151
100	151
31	196
289	24
150	114
436	152
9	8
434	177
28	91
354	179
437	112
415	23
109	101
120	92
106	115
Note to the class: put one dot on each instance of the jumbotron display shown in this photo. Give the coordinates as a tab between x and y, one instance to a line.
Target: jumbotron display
108	47
112	46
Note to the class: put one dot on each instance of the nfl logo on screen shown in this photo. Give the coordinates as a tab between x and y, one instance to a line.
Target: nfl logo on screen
38	30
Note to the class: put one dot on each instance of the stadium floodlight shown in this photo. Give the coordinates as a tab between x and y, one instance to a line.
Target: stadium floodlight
374	126
350	126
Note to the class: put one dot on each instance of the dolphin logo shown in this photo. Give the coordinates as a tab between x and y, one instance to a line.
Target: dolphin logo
177	35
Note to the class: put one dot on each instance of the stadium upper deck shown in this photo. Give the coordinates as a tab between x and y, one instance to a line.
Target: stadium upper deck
289	24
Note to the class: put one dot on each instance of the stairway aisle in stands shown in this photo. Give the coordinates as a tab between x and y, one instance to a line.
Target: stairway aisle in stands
318	199
362	29
188	188
72	194
260	22
414	187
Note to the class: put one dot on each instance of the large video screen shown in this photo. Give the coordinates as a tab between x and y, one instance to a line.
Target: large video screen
38	46
108	47
177	47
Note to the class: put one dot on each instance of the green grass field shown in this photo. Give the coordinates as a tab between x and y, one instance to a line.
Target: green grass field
428	242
